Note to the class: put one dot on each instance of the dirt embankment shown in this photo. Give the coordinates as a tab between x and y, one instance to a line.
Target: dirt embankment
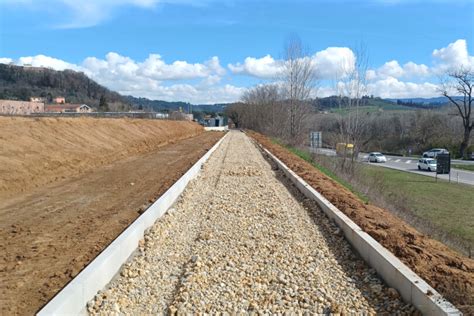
49	233
36	151
447	271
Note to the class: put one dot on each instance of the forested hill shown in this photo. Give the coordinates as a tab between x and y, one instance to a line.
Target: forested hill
21	83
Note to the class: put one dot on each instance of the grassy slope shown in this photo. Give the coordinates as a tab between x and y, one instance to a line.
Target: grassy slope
464	167
376	105
446	205
307	156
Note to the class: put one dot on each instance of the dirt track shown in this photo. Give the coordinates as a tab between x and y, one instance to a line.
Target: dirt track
448	272
50	233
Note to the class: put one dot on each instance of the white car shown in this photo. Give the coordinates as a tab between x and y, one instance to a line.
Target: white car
377	157
432	153
427	164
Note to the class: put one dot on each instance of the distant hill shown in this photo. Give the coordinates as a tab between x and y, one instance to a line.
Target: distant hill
159	105
436	102
369	103
21	83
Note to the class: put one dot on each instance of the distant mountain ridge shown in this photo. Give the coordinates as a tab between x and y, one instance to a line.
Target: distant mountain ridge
160	105
435	100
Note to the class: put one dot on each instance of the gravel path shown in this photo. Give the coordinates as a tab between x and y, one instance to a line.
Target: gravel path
241	240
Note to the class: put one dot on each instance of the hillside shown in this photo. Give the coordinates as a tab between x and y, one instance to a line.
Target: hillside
369	104
21	83
159	105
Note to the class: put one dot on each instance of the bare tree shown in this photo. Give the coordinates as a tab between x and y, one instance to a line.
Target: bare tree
263	108
298	78
462	82
351	86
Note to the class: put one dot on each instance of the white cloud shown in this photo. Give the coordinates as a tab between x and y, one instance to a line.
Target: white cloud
393	69
455	55
391	87
46	61
328	63
411	69
4	60
265	67
333	62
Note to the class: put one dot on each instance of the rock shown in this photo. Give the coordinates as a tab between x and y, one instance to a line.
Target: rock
392	293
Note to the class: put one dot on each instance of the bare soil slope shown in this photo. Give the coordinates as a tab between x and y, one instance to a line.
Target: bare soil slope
49	233
447	271
36	151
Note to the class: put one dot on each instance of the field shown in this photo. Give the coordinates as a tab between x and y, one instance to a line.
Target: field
463	167
443	204
53	226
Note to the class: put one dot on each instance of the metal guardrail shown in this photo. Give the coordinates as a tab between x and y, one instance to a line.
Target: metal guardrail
138	115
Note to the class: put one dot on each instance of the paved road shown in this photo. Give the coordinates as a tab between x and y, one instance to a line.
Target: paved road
409	164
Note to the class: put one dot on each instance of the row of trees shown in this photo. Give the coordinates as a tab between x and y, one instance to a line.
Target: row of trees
286	108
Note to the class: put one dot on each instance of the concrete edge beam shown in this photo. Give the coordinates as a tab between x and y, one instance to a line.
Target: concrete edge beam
73	298
395	273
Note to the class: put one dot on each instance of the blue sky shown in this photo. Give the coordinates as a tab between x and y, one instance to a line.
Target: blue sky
211	51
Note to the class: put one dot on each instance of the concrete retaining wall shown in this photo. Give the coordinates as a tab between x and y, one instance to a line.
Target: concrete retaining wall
72	299
217	128
396	274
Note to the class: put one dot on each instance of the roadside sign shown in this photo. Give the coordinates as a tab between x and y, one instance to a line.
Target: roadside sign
443	163
316	140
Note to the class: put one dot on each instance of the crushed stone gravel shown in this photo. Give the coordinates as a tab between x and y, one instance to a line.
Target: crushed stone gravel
242	240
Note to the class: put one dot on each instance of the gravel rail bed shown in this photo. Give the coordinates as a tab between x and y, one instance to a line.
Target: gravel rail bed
243	240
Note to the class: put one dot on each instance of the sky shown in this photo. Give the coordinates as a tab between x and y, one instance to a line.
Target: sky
209	51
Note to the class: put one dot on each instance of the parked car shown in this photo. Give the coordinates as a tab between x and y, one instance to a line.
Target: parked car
377	157
432	153
427	164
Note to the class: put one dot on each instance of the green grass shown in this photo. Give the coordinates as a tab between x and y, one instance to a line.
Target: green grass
463	167
448	206
307	156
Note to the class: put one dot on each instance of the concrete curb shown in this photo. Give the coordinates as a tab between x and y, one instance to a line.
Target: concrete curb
72	299
396	274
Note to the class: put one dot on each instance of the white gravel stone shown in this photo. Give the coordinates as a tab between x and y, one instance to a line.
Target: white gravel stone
240	241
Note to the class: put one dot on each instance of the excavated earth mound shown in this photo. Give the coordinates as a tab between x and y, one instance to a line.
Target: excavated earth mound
70	186
36	151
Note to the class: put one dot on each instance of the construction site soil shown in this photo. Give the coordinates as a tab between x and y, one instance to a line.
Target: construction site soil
450	273
90	178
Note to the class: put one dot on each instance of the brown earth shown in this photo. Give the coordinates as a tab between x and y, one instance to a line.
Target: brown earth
48	234
36	151
450	273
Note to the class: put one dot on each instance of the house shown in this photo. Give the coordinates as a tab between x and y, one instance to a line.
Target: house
68	108
84	108
210	121
59	100
10	107
38	99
